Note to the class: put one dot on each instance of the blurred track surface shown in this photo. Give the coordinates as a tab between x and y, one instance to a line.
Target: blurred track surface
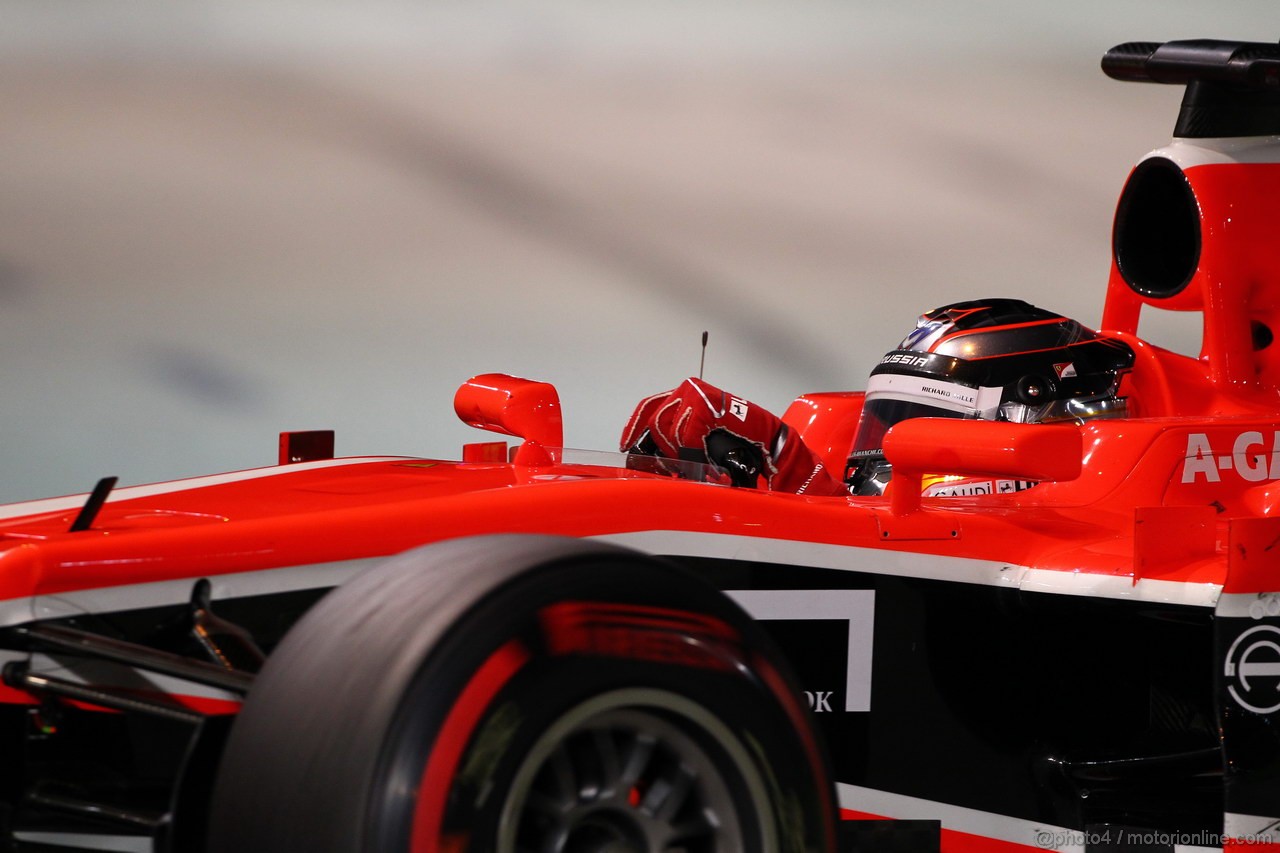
216	224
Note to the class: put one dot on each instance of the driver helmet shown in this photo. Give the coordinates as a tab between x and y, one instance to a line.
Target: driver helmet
989	359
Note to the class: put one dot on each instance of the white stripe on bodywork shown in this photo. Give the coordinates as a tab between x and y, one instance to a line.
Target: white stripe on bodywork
163	593
1013	830
86	841
1189	153
62	504
16	611
1038	836
850	558
111	599
876	561
1251	828
855	607
1059	582
1249	605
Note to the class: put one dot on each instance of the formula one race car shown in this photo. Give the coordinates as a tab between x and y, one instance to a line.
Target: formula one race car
537	649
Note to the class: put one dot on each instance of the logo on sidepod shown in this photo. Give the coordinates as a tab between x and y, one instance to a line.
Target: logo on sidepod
1252	458
1253	669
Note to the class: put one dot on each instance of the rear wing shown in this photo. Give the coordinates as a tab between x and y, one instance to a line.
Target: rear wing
1233	87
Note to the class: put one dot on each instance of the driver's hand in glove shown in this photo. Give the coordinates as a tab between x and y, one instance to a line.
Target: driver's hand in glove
697	422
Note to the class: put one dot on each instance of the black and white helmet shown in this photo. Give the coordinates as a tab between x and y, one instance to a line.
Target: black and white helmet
989	359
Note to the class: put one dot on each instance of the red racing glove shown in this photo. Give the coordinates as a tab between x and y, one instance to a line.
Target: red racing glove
697	422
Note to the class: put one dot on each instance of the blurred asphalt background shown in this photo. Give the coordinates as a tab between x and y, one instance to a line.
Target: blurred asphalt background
219	221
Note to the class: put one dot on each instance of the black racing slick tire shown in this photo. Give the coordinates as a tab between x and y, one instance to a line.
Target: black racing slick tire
523	694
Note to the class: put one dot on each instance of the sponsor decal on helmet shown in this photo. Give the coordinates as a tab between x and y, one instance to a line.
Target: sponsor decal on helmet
905	359
952	392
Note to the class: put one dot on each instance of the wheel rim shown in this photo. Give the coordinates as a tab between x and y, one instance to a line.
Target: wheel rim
637	771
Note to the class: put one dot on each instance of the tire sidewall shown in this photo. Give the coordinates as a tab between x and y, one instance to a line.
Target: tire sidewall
548	685
395	669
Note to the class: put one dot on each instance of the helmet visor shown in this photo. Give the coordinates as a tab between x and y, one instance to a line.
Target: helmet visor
892	398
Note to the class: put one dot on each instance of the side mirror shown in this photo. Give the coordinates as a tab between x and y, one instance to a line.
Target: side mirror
921	446
509	405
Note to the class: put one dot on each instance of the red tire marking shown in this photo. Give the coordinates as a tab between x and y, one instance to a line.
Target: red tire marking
446	752
677	637
656	634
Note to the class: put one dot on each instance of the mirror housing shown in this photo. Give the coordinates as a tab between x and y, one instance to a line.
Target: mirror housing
971	448
509	405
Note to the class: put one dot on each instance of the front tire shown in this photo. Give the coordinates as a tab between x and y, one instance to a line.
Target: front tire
514	694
